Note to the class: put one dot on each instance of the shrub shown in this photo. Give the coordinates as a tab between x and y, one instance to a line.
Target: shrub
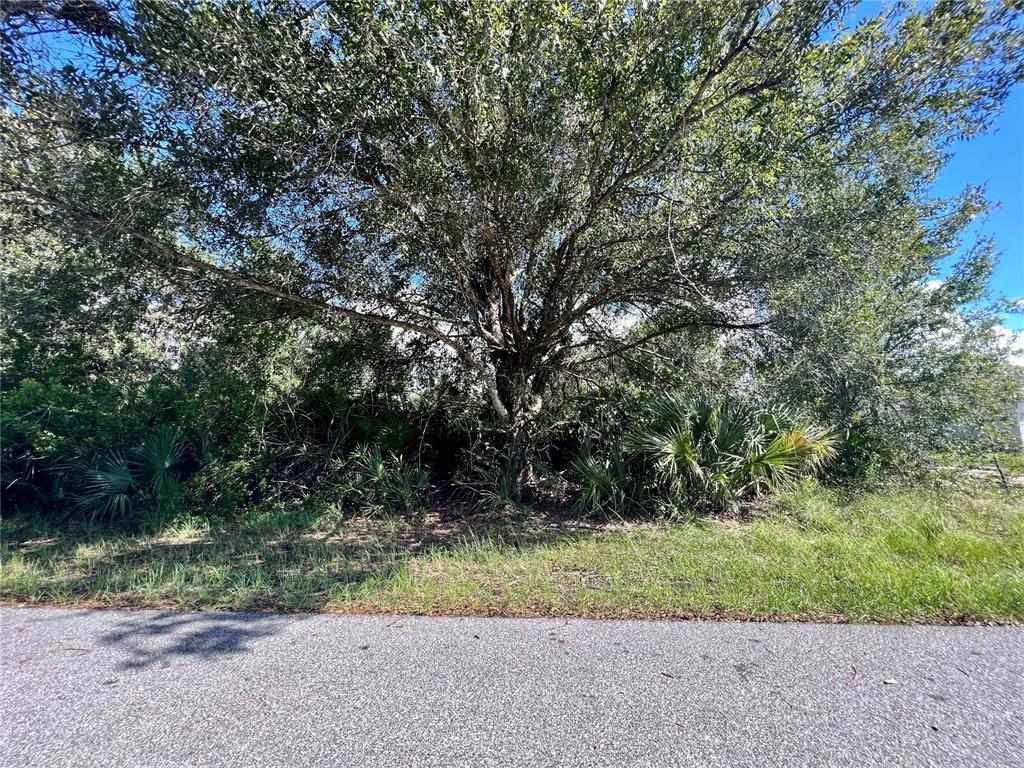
703	454
716	453
61	442
604	483
383	482
147	478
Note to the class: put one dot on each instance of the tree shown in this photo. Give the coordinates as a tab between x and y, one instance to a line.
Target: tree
875	344
532	187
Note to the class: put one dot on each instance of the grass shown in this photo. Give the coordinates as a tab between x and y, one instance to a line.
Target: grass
1012	464
948	553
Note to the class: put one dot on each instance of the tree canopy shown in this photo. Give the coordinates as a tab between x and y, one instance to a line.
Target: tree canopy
521	190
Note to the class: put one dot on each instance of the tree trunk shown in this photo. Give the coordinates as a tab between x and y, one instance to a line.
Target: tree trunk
521	392
518	469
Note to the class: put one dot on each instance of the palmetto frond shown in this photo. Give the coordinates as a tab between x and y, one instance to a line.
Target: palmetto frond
603	482
717	452
158	461
108	490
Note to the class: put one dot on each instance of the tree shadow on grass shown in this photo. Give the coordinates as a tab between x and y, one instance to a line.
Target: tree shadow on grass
291	564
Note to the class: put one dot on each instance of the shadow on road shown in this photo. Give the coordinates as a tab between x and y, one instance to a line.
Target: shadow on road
153	640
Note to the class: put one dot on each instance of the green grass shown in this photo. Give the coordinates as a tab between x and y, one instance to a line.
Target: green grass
944	554
1012	464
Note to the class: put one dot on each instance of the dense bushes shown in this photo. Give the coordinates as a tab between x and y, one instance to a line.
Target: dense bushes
124	453
218	428
702	454
211	438
54	435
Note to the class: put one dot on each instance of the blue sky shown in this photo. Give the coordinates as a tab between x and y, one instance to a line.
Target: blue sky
996	160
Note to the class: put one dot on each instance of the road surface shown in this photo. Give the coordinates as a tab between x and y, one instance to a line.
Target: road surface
159	688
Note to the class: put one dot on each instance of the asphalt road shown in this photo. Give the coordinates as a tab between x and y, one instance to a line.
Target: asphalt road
116	688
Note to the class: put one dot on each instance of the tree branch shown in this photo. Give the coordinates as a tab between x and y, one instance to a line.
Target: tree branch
617	351
95	224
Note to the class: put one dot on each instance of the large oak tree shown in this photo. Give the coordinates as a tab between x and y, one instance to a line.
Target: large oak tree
530	187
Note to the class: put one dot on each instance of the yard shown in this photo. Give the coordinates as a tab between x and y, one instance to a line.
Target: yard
943	552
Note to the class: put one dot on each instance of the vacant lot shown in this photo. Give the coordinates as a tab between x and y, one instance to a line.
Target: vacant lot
944	553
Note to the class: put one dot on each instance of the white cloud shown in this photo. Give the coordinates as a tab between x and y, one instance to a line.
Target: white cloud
932	285
1013	343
